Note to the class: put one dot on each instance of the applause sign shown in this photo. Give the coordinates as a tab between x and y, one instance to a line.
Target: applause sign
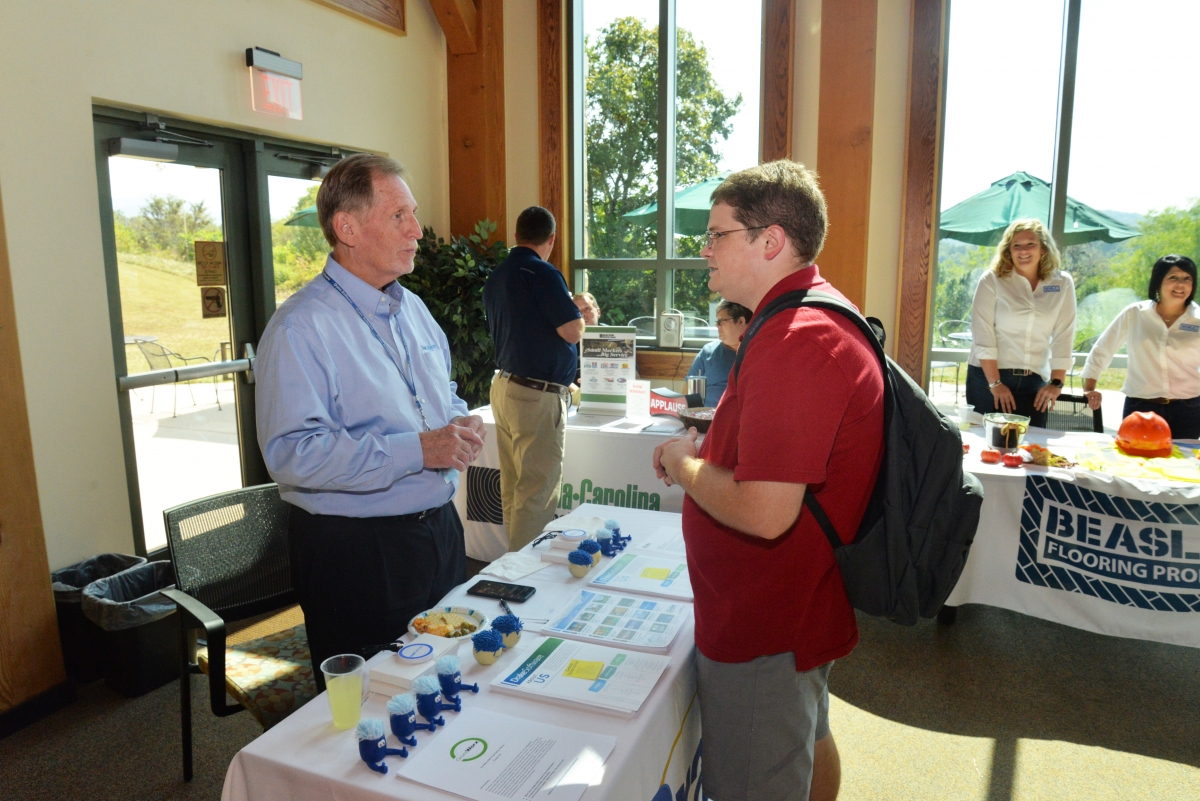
1122	550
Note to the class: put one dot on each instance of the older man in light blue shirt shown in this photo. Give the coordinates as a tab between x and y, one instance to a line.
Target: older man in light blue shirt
361	426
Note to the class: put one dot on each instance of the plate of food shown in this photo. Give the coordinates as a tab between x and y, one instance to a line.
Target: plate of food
451	622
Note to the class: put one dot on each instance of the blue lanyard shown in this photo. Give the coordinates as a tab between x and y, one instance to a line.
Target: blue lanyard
410	383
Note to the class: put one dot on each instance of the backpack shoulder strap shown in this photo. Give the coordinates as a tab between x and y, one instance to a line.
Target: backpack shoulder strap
871	328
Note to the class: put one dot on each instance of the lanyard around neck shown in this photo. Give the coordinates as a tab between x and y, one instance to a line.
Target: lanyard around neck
410	383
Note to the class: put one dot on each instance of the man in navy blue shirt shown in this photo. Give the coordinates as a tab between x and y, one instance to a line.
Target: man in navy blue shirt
535	326
715	359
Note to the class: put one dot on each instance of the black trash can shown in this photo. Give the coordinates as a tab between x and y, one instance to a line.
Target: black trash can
81	639
140	628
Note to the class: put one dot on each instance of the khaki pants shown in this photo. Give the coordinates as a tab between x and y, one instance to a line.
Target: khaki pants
531	428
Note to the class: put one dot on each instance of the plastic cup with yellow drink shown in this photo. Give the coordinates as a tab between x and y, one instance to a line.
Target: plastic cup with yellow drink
346	685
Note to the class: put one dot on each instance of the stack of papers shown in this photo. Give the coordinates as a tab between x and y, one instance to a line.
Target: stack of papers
652	575
391	676
485	755
616	619
666	541
583	674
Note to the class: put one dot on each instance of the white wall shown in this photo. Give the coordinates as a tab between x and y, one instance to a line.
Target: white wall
520	109
364	87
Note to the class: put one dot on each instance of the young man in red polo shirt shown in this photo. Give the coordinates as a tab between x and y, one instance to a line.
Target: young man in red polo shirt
805	414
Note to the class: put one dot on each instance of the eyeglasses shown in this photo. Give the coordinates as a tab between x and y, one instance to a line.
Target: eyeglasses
712	236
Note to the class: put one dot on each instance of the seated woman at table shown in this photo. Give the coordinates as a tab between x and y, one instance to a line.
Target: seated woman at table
1022	326
1162	336
715	360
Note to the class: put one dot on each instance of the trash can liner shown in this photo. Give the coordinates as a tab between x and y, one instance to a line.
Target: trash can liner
68	582
130	598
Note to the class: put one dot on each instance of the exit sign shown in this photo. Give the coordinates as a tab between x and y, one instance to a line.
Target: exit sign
275	94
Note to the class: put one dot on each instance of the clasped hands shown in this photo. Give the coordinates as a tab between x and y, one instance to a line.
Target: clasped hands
456	444
1044	402
669	456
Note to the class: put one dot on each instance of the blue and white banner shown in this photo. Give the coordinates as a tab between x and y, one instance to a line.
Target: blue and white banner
1121	550
1096	552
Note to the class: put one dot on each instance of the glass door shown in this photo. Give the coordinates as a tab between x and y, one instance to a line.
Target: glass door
174	205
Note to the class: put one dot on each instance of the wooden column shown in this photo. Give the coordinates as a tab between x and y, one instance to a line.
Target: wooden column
847	113
922	176
552	126
475	85
30	656
778	69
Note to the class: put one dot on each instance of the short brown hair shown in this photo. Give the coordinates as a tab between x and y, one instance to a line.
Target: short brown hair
349	186
783	193
535	226
1048	264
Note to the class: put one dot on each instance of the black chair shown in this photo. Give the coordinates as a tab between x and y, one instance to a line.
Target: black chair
230	554
1071	413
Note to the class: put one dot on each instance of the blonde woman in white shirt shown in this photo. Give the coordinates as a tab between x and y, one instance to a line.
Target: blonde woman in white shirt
1022	326
1162	336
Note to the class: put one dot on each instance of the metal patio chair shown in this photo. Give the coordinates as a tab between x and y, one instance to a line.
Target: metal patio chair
159	358
945	329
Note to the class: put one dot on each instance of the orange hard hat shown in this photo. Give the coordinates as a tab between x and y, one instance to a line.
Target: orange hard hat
1144	434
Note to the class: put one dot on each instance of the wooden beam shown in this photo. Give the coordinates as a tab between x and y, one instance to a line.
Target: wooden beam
778	69
552	126
922	176
844	138
459	21
475	85
671	365
30	656
387	14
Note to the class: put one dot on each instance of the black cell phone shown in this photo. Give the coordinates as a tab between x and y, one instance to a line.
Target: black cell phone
517	593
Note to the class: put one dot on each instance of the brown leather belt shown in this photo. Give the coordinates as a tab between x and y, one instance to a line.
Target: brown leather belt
533	383
1159	401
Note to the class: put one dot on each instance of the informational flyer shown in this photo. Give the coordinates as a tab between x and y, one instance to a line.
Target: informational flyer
607	363
485	756
637	401
664	541
620	620
652	575
582	673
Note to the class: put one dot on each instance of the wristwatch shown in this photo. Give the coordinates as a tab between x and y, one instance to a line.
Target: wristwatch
995	384
1056	382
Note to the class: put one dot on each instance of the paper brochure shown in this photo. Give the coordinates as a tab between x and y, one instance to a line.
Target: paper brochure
486	756
652	575
620	620
610	679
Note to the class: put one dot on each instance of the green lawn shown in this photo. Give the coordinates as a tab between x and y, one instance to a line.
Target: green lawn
159	297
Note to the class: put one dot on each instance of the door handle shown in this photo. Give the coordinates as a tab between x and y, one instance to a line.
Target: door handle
248	352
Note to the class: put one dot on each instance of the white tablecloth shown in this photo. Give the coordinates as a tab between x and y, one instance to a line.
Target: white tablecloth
305	759
603	464
1030	555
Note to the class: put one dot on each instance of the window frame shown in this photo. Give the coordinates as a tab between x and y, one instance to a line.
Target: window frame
662	264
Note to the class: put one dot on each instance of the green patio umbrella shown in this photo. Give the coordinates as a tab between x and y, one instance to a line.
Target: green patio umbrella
305	217
981	219
691	208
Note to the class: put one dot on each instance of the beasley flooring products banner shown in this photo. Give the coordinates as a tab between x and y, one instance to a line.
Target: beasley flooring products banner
1102	553
1122	550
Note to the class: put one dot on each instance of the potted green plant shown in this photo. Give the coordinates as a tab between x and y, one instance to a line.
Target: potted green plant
449	277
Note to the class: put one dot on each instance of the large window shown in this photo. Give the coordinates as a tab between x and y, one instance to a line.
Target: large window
658	120
1129	164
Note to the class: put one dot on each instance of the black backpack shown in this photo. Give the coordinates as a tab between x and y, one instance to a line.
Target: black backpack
921	519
